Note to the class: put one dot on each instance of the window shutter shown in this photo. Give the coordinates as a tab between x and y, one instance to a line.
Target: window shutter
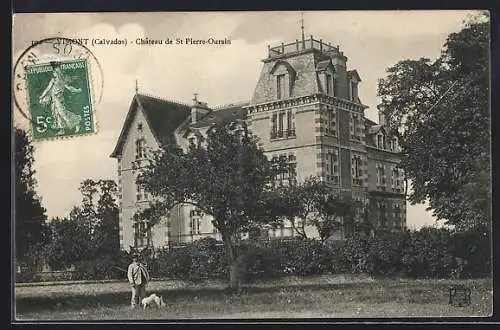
365	171
352	167
384	176
351	125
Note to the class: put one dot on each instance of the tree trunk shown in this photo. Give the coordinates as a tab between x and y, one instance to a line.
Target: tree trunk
234	273
234	278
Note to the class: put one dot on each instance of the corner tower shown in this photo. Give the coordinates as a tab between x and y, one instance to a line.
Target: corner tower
306	107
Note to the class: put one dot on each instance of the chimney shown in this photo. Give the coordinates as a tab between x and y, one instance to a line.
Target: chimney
381	117
198	110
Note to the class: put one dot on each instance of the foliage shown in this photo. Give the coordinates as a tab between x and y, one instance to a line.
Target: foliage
99	211
426	253
304	257
442	111
69	243
103	268
29	212
313	202
228	178
90	232
259	261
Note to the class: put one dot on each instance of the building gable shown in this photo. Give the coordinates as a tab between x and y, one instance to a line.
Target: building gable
162	116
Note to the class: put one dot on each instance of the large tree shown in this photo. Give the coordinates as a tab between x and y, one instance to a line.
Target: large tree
92	228
441	111
228	178
99	210
29	213
313	202
70	241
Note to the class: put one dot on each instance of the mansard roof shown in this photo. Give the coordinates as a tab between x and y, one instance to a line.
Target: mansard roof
369	122
323	65
353	73
231	112
376	128
163	117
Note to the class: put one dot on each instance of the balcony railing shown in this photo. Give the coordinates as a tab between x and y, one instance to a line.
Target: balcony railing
283	134
299	45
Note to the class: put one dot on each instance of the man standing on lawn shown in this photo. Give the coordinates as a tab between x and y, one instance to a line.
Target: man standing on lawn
138	278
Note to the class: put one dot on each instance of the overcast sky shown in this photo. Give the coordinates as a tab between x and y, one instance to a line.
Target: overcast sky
372	41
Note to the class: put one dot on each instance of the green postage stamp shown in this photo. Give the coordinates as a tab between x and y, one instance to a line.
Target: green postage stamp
59	99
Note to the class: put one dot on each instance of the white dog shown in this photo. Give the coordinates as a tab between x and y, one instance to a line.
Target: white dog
153	298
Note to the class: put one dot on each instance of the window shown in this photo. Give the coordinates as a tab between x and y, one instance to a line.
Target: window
354	91
382	213
141	194
281	117
332	166
397	223
394	178
380	141
288	173
394	144
329	84
283	124
139	126
290	123
142	232
140	149
331	127
356	170
280	86
355	126
381	178
274	125
194	222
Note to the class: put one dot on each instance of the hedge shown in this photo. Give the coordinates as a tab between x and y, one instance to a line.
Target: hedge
426	253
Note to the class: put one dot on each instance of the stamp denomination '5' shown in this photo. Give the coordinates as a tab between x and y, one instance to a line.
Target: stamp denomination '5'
59	99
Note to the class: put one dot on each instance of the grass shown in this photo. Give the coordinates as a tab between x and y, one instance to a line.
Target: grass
318	297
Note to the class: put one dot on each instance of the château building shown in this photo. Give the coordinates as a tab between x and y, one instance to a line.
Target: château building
305	108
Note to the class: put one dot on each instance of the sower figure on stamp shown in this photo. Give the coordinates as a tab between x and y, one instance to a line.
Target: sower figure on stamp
54	95
138	278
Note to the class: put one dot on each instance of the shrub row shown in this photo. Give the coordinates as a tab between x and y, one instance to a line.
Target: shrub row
427	253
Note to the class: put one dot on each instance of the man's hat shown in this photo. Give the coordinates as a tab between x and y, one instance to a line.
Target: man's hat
135	255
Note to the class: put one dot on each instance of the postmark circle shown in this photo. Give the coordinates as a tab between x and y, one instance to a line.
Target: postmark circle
57	54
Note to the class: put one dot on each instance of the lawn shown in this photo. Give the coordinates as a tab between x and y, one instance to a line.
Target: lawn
318	297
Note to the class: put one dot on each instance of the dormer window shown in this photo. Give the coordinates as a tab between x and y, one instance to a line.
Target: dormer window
380	141
394	144
354	91
354	80
284	76
280	86
329	84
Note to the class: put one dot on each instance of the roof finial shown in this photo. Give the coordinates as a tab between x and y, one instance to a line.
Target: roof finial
136	87
195	97
302	28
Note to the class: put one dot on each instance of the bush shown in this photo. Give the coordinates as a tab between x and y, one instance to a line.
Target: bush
258	261
354	257
385	252
303	257
428	252
200	259
100	269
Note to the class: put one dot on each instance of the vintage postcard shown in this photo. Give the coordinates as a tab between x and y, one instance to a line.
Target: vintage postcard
251	165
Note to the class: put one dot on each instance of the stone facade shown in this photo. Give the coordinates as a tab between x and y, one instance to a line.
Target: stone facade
306	108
